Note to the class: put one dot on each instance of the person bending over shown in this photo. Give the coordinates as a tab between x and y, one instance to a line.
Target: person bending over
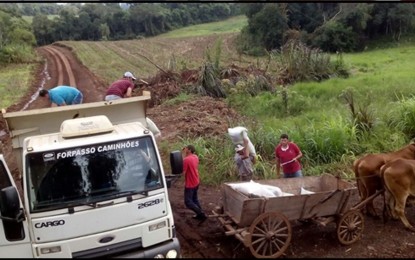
62	95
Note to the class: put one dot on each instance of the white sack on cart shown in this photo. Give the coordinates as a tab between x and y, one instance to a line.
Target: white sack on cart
252	187
274	189
304	191
261	190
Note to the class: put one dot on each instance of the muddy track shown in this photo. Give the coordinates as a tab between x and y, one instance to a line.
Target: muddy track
202	240
60	60
61	67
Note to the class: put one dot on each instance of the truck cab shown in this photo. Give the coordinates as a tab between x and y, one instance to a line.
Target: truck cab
93	184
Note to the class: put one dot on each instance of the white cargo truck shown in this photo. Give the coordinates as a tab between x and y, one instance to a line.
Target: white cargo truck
93	184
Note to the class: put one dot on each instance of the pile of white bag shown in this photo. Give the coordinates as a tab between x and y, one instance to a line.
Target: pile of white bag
261	190
254	189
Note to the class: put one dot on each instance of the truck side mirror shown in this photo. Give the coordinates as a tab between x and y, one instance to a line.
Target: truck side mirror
9	202
176	162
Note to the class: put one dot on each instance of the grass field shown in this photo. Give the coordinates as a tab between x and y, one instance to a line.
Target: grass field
232	25
186	48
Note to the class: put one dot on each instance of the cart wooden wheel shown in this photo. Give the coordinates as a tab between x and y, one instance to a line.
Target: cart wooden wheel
350	227
269	235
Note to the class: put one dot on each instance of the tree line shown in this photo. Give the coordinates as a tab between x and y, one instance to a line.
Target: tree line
331	27
116	21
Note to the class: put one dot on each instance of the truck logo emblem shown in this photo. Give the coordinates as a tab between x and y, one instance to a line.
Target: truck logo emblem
106	239
50	223
48	157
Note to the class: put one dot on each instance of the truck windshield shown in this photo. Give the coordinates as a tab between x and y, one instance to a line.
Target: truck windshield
89	174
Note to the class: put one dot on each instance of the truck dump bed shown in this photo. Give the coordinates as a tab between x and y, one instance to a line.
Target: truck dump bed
22	124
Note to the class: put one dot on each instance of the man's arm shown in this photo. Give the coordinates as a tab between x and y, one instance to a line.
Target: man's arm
278	166
299	153
58	101
129	92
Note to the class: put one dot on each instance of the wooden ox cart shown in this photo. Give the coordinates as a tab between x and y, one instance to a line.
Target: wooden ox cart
263	223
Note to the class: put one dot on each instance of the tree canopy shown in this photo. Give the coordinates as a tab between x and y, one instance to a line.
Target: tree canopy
329	26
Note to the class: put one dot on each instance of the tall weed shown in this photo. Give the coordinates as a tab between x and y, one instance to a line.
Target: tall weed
297	62
362	117
209	82
402	117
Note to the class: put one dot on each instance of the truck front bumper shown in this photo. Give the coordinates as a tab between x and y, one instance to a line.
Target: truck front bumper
159	249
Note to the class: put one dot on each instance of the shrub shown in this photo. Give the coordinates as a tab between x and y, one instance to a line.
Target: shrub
297	62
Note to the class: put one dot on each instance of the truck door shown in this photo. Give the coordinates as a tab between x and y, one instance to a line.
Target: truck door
14	235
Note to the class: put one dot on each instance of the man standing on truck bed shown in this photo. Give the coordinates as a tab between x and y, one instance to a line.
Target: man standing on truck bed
123	88
63	95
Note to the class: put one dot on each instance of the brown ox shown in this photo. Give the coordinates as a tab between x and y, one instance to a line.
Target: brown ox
367	172
398	177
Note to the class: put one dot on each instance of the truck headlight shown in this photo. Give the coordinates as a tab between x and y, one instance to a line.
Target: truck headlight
49	250
171	254
157	226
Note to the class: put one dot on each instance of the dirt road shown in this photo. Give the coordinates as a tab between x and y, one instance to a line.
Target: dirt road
61	68
208	240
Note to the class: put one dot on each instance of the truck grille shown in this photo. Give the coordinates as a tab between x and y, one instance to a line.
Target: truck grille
110	251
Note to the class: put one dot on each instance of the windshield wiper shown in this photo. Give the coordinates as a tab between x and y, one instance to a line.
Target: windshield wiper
94	205
131	192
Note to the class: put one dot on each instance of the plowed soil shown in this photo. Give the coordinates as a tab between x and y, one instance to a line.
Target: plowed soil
204	117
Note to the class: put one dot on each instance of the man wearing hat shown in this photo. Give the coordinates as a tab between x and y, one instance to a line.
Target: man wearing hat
122	88
243	164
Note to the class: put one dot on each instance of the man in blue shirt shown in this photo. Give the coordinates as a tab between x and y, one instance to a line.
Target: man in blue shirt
63	95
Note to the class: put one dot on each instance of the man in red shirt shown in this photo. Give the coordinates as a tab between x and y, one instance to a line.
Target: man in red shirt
287	154
192	181
121	88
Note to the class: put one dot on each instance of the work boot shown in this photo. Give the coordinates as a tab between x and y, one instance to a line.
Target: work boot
201	217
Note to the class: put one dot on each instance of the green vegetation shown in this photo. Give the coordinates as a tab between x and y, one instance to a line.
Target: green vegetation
29	19
14	82
234	24
333	27
117	21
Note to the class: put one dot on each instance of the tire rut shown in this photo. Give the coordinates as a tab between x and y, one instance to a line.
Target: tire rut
60	58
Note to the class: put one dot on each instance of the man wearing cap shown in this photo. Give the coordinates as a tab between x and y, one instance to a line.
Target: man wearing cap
121	88
243	163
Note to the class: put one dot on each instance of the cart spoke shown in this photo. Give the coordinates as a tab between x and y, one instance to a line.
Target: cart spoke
277	224
281	230
262	245
258	239
279	242
259	230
